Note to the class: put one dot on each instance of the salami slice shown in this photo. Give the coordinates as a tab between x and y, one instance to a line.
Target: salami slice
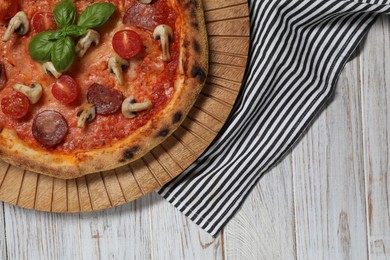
106	100
49	128
150	15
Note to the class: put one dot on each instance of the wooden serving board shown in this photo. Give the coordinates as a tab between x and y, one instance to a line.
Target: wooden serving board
229	34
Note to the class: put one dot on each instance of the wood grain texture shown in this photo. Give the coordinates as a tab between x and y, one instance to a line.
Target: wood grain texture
265	226
376	126
98	235
228	28
329	192
148	228
193	243
3	236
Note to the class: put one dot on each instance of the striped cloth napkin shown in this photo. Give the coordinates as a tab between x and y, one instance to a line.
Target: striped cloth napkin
298	51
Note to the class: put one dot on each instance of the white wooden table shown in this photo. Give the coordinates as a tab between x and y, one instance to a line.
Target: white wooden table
328	199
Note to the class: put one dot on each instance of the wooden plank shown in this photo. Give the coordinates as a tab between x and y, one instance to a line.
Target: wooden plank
11	184
179	152
221	4
84	196
145	179
124	232
198	129
28	190
3	237
185	239
119	233
4	168
227	72
114	189
37	235
264	227
60	203
44	195
156	168
196	144
98	192
329	180
224	83
228	59
128	183
73	196
206	120
375	97
228	45
215	108
230	12
231	28
166	161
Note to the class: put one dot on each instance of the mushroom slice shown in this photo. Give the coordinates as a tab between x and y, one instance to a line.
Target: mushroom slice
130	107
33	93
117	65
18	24
87	114
92	38
50	70
164	33
145	1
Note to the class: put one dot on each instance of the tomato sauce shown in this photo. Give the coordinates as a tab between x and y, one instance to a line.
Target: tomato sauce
148	77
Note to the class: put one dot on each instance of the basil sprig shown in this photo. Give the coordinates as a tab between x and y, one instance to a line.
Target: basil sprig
58	46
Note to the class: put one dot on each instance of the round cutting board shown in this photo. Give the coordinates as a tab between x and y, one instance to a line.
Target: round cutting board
228	29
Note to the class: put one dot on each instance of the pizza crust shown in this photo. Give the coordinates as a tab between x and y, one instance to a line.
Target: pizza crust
192	70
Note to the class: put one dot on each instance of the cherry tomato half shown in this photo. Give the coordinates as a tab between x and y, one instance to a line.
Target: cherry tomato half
15	106
43	21
127	44
66	89
8	9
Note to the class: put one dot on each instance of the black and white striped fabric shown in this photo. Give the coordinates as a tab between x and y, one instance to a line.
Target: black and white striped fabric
298	51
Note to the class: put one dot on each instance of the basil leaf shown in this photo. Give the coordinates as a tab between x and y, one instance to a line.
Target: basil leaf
57	35
63	54
74	30
40	46
65	13
96	15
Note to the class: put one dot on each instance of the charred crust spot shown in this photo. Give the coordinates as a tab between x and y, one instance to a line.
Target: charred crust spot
196	45
164	132
129	153
195	25
190	4
177	117
186	43
197	72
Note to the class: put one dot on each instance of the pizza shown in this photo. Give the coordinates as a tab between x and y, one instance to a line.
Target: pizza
88	86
